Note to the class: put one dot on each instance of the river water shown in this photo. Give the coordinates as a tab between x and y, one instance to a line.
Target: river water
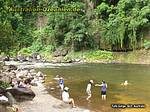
77	77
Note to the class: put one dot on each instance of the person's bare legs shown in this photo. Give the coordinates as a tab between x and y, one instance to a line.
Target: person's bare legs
72	102
89	96
103	97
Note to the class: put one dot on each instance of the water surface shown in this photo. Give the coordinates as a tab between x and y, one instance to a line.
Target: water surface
77	77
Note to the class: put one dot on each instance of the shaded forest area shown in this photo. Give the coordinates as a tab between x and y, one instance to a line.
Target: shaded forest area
114	25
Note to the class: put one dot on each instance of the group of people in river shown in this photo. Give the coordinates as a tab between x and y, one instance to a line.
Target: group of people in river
103	86
65	90
103	89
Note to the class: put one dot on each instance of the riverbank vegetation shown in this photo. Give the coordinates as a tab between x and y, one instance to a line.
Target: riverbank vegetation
99	26
4	85
90	56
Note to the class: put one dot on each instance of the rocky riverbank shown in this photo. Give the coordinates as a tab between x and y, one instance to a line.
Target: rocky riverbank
132	57
21	90
43	102
15	85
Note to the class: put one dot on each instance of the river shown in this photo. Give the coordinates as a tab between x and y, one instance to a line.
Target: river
77	76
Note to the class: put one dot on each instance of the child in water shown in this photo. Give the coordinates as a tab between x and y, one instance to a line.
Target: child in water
88	89
61	83
103	89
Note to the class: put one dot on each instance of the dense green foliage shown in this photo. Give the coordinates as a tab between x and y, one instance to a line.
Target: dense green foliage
4	85
15	27
90	56
107	24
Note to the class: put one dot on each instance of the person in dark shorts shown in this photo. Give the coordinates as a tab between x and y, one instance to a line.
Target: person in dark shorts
103	89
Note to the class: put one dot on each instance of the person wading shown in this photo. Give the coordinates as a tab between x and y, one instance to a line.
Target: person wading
61	83
88	89
103	89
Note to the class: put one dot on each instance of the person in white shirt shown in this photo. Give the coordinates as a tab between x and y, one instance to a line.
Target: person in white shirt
66	98
88	89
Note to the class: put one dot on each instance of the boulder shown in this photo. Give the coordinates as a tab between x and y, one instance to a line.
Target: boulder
32	71
5	79
28	80
1	58
60	52
40	74
6	58
1	75
3	98
12	67
22	94
12	75
7	102
29	58
10	97
36	56
3	103
2	90
21	58
64	52
13	59
9	67
22	74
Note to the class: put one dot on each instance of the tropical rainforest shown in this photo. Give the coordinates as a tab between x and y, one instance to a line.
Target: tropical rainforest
109	25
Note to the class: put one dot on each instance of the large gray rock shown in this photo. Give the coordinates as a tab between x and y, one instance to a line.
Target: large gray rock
7	103
22	74
5	78
2	90
12	74
6	58
3	103
36	56
60	52
22	94
10	97
29	58
21	58
9	67
28	80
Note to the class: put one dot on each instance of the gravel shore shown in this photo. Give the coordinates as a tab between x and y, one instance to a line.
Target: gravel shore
43	102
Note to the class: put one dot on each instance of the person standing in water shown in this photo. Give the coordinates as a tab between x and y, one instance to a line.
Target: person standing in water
88	89
103	89
61	83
